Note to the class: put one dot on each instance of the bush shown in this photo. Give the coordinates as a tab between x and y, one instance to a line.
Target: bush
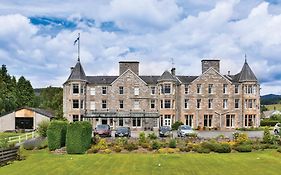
142	138
240	137
78	137
121	141
155	144
117	149
102	145
107	151
243	148
131	146
173	143
152	136
176	125
223	148
266	135
4	143
56	134
39	143
43	127
167	150
201	149
268	122
279	150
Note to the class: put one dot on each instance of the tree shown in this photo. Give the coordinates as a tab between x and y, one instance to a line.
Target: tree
25	93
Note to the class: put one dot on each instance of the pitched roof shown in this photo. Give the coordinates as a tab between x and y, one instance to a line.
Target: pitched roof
37	110
101	79
186	79
150	79
167	76
77	73
246	73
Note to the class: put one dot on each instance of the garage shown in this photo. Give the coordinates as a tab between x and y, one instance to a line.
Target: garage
25	118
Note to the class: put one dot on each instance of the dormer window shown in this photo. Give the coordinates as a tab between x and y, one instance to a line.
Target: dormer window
75	88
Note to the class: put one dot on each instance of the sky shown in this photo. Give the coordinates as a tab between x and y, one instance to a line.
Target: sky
36	37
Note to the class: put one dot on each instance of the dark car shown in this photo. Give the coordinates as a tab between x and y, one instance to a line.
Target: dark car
165	131
123	132
102	130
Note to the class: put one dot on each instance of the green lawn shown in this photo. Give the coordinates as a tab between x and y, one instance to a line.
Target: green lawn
271	107
8	134
41	162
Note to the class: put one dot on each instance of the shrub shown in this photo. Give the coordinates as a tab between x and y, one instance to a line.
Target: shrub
102	145
121	141
93	149
173	143
268	122
33	143
266	135
4	143
78	137
240	137
176	125
201	149
43	127
152	136
145	145
279	150
155	144
142	138
117	149
107	151
56	134
243	148
131	146
223	148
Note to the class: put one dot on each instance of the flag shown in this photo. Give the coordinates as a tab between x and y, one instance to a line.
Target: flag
76	41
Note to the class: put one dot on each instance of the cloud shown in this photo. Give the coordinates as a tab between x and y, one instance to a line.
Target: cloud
150	31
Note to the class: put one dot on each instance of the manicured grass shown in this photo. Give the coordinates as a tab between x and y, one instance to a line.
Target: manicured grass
42	162
8	134
271	107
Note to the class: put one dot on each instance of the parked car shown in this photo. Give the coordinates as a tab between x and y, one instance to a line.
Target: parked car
277	128
123	132
185	130
165	131
102	130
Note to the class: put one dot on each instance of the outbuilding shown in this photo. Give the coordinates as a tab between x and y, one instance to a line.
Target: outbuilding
23	118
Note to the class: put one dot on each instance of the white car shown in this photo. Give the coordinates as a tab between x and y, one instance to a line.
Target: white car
277	128
185	130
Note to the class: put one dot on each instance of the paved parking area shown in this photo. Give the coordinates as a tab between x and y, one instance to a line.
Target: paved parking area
204	134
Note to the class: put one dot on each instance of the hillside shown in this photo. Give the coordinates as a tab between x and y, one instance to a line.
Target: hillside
270	99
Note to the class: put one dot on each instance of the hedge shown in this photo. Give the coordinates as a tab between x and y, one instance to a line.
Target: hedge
78	137
266	122
56	134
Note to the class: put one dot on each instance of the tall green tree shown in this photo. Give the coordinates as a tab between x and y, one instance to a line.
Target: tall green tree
25	93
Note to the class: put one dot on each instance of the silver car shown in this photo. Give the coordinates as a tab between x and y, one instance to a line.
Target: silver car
185	130
277	128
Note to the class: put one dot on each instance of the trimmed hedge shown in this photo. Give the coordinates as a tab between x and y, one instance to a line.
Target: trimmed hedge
56	134
268	122
78	137
243	148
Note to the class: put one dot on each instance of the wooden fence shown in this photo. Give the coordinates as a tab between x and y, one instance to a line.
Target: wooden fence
21	138
8	154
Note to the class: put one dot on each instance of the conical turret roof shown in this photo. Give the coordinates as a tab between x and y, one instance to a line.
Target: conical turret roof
77	73
167	76
247	74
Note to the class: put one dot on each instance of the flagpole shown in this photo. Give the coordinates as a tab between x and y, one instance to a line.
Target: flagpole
78	46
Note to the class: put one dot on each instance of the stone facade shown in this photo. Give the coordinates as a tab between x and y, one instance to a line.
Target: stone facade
211	100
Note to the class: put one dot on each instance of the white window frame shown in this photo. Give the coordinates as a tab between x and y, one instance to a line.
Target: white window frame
136	91
210	103
92	91
186	103
136	119
102	90
225	103
136	104
92	105
75	84
231	118
153	90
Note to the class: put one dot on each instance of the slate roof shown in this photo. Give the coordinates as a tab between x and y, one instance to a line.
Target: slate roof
186	79
150	79
247	74
77	73
37	110
101	79
167	76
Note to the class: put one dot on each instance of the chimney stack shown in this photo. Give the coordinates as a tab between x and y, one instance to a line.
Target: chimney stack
206	64
228	72
173	71
125	65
